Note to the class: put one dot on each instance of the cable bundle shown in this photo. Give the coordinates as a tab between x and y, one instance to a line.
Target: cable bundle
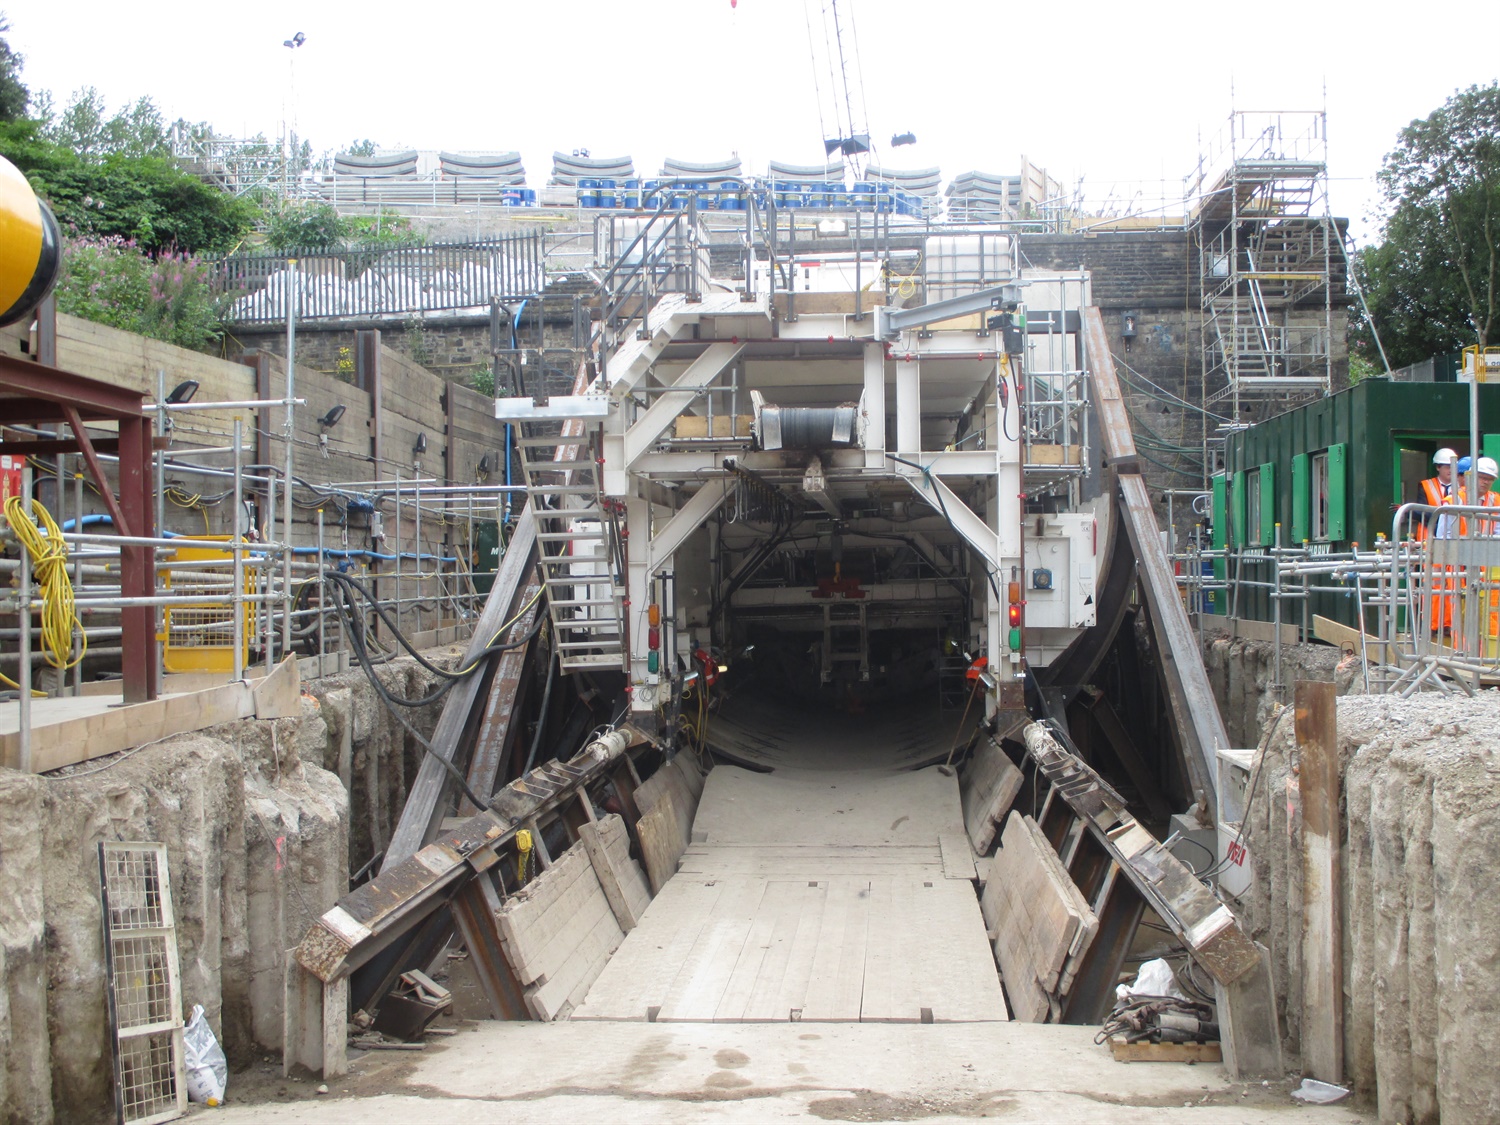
49	563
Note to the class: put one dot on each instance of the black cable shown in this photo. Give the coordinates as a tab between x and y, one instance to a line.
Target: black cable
365	592
541	722
390	702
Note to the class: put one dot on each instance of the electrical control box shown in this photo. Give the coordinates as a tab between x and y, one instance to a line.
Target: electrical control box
1060	570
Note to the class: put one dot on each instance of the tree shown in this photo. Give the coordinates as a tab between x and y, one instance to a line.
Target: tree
14	96
1431	284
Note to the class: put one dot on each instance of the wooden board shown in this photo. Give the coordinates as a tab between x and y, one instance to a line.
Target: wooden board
1347	637
1165	1052
558	932
886	948
989	784
692	426
662	841
958	859
1039	918
67	731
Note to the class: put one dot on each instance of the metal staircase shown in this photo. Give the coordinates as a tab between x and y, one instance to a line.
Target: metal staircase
578	541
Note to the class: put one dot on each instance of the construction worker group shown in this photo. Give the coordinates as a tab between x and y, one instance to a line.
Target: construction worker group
1440	491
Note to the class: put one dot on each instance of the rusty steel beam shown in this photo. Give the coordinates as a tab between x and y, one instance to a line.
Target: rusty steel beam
1191	697
507	693
33	380
1205	926
371	918
138	663
476	909
90	457
1322	938
428	797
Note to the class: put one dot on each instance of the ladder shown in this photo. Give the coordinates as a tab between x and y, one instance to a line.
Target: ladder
578	539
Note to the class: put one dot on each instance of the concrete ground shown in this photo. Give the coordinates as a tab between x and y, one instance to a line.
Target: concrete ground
607	1072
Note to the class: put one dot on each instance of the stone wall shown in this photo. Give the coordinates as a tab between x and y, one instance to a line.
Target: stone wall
256	818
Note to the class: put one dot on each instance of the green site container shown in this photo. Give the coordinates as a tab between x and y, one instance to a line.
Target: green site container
1372	444
486	554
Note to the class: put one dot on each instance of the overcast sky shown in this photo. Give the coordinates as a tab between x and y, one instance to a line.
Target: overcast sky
1114	93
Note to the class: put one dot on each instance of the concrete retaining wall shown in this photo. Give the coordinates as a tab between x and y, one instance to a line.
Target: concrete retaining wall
256	817
1421	973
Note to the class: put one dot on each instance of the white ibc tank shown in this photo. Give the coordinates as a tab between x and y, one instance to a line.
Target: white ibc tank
960	264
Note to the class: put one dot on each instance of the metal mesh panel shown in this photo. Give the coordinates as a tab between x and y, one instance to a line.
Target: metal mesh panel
141	969
148	1078
200	638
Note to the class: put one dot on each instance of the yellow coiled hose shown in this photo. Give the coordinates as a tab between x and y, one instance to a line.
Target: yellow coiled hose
49	564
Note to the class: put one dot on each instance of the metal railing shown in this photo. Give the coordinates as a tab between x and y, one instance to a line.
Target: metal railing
1426	601
380	281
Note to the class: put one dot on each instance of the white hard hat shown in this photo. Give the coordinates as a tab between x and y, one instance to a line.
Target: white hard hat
1488	468
1444	456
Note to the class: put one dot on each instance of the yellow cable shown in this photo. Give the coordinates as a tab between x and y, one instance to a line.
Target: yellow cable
49	562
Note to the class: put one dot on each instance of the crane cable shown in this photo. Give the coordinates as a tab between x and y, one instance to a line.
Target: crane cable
49	562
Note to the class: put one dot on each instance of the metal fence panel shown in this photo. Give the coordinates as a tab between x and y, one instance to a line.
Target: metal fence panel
373	281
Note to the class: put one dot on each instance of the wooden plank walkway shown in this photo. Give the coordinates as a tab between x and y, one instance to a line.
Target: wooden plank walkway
853	917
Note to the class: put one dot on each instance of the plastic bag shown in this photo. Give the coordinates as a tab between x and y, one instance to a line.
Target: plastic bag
1319	1093
207	1068
1155	978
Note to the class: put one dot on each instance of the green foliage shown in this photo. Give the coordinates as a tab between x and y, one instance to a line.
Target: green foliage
311	226
166	297
86	127
365	147
1361	369
317	226
1433	284
141	198
14	96
482	379
417	345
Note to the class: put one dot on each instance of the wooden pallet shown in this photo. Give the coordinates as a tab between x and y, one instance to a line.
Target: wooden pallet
1165	1052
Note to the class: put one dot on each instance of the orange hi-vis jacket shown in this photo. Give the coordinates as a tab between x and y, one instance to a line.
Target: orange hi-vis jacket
1490	499
1437	495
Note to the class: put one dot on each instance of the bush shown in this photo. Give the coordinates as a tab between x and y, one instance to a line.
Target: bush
168	296
297	227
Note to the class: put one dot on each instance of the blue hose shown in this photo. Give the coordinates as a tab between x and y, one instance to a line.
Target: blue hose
104	517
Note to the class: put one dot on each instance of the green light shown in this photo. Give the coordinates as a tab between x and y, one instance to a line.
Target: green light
653	662
1015	640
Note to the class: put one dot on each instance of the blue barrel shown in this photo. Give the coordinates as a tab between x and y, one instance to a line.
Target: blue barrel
838	197
862	197
588	192
885	197
510	198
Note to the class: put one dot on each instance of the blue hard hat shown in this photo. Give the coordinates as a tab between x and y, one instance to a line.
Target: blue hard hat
1464	464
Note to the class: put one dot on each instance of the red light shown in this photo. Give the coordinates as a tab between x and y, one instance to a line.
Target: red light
653	637
1015	615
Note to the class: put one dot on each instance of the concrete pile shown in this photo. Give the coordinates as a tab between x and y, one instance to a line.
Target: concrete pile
1421	892
256	819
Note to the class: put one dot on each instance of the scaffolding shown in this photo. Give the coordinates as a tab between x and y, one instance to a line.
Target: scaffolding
1259	212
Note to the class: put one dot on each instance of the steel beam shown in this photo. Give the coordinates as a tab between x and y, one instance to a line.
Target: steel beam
973	530
890	323
427	800
1194	708
686	520
649	427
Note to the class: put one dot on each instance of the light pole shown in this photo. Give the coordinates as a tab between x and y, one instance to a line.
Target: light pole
289	113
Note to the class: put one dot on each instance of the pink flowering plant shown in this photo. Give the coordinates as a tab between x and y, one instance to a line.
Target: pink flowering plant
166	295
